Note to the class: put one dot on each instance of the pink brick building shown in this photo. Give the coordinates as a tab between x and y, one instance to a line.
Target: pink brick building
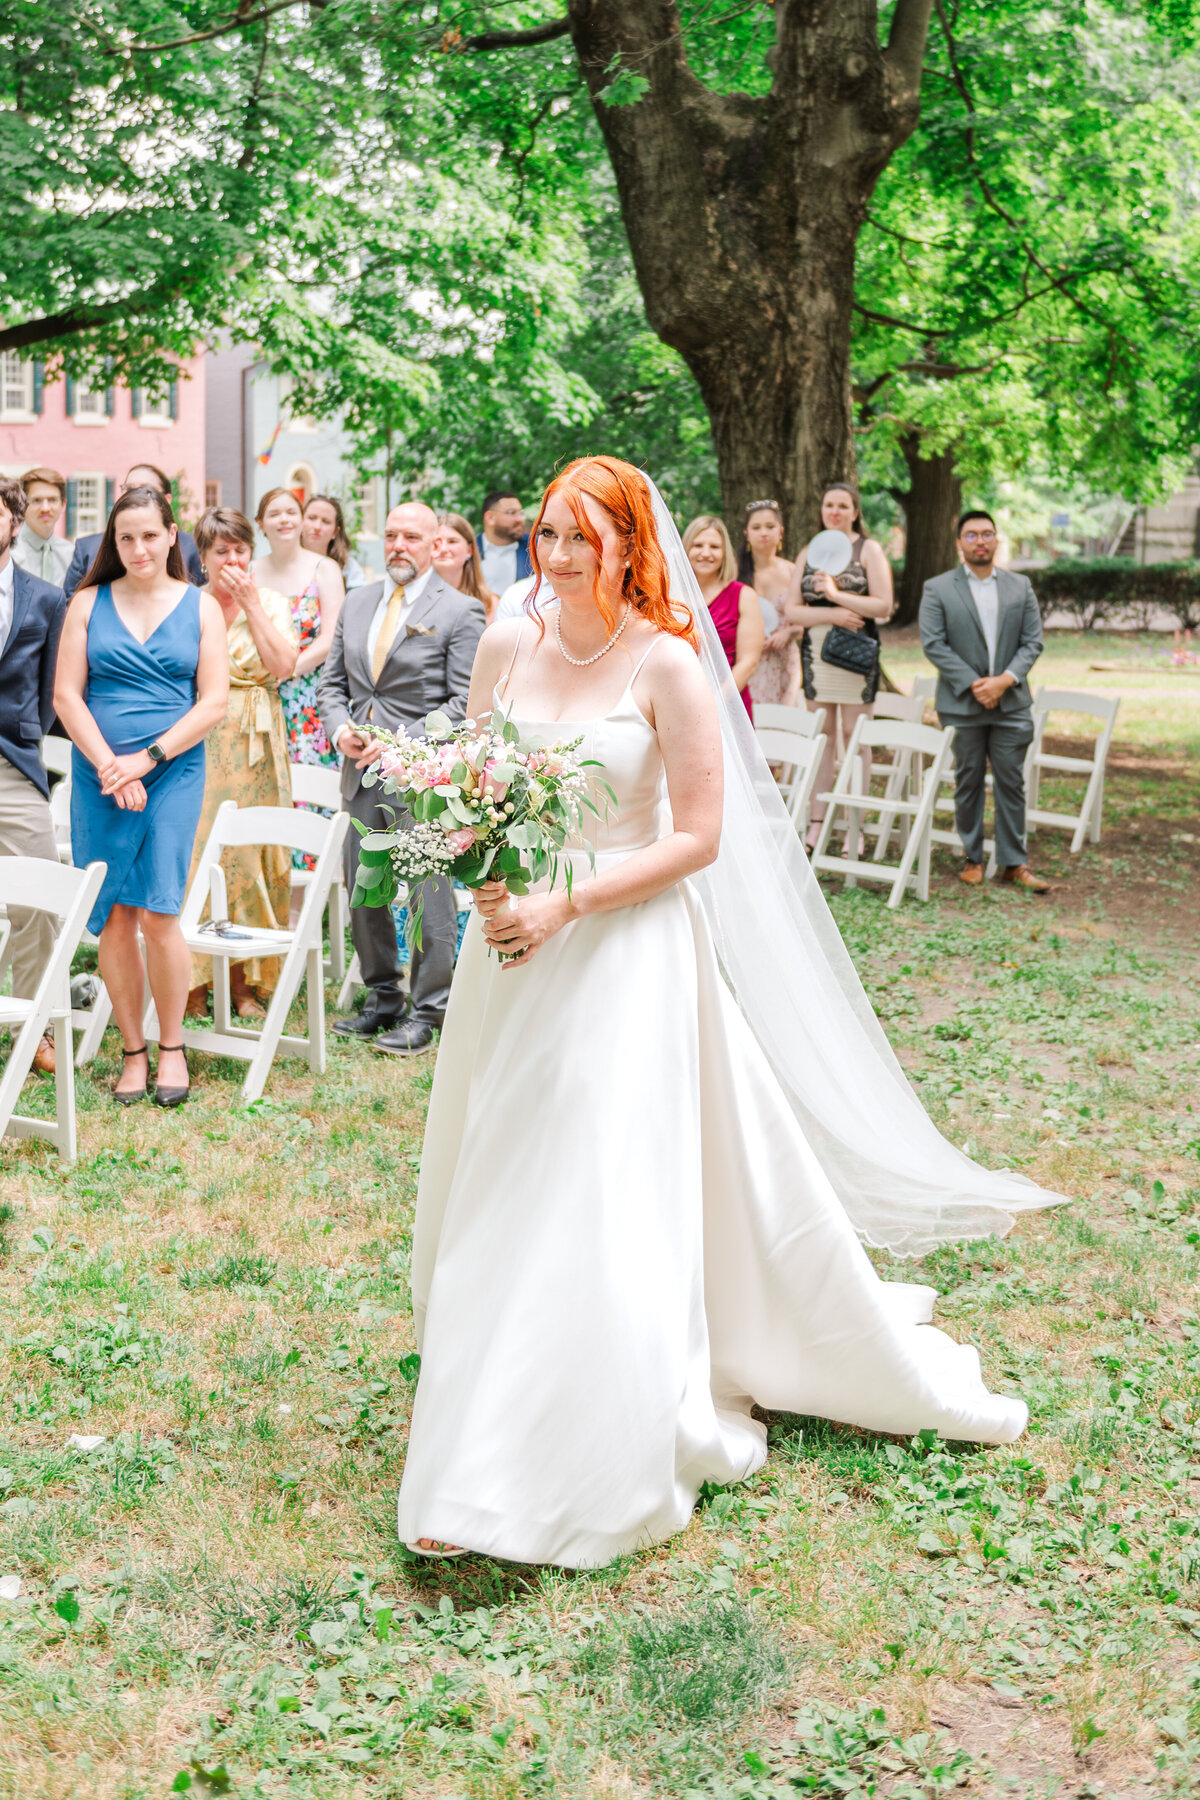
94	435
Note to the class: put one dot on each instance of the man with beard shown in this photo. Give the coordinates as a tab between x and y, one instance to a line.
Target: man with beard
403	648
982	631
31	620
504	542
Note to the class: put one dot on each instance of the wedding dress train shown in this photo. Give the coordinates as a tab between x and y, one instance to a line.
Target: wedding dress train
624	1239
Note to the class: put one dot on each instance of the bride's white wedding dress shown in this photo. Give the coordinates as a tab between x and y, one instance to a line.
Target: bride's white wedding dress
624	1240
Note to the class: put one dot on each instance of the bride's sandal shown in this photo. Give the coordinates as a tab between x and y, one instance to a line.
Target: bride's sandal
432	1547
131	1096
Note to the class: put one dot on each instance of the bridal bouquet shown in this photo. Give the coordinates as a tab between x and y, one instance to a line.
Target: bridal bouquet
487	805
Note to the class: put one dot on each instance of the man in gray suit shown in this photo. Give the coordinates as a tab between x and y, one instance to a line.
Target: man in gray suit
403	648
983	633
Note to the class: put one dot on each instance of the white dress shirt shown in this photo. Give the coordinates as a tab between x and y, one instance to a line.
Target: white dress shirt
511	604
412	593
48	557
499	564
7	601
986	595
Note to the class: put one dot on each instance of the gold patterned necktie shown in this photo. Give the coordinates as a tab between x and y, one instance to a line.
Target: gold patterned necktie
387	632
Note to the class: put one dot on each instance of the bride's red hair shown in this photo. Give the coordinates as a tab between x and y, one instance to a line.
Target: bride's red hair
622	491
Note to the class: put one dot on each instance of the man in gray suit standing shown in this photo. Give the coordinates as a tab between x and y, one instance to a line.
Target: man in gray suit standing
983	633
403	648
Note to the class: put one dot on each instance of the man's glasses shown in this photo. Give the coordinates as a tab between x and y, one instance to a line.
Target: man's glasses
979	537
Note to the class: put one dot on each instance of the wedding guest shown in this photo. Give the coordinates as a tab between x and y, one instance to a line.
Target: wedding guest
457	560
504	542
315	590
732	605
38	548
982	631
140	475
143	676
403	648
512	603
776	681
31	618
246	753
857	600
323	531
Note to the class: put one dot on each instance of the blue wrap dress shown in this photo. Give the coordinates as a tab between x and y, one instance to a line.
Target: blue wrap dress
135	692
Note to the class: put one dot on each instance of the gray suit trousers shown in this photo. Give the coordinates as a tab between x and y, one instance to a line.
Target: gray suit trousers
1002	741
374	931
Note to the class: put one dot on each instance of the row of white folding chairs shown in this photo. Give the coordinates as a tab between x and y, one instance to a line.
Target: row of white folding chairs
793	741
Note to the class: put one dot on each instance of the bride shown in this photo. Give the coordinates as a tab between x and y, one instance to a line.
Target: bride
657	1135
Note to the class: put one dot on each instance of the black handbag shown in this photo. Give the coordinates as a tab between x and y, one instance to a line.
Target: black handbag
852	650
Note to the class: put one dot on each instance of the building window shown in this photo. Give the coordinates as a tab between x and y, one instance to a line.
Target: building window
302	480
89	504
157	408
368	524
16	398
212	494
296	421
90	407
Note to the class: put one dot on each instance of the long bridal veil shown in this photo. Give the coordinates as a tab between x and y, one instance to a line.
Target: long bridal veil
903	1186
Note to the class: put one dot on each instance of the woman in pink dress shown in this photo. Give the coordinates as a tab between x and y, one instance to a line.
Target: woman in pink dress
776	681
733	607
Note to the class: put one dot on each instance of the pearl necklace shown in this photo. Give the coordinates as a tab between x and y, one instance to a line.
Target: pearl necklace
581	662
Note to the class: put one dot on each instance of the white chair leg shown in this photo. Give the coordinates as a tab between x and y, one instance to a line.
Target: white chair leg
285	993
352	982
337	932
316	1011
64	1083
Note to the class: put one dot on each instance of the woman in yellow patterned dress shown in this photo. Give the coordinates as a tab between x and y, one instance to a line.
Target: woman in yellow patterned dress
247	754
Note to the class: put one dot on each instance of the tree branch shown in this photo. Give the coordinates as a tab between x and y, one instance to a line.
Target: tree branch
82	318
233	22
905	51
508	40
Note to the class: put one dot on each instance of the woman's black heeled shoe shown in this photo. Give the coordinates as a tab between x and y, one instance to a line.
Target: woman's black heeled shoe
165	1096
131	1096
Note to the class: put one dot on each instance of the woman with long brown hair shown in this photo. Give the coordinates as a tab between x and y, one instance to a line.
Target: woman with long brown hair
626	1236
323	531
776	681
143	676
457	560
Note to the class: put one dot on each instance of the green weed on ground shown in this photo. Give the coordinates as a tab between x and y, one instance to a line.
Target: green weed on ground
208	1372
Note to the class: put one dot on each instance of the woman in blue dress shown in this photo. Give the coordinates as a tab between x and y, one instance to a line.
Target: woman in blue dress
143	675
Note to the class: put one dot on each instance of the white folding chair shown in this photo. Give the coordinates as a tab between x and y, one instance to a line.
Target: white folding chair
70	894
299	947
1087	821
797	719
851	796
924	688
899	771
316	785
353	981
56	758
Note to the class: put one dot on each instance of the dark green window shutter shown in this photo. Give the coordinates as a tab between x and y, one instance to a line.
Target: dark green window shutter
173	399
110	392
135	396
72	504
110	495
70	396
39	383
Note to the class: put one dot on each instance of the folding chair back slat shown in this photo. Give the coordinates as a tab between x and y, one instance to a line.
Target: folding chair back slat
56	755
799	719
314	785
1087	822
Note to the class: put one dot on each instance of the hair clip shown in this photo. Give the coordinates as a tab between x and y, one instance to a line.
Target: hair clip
761	505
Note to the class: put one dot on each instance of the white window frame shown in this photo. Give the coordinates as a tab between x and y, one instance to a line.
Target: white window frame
302	475
16	414
78	417
156	409
87	522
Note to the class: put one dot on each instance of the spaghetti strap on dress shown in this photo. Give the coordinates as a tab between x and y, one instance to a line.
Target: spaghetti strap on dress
135	692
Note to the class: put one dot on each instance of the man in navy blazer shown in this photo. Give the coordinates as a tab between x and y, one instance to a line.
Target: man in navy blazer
31	619
141	475
504	542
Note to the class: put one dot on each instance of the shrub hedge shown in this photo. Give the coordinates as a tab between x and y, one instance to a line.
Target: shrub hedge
1115	590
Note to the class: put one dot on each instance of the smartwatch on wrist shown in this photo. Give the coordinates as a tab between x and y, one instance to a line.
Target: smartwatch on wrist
156	753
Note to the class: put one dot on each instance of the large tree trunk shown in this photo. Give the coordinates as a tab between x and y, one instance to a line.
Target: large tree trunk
742	214
931	508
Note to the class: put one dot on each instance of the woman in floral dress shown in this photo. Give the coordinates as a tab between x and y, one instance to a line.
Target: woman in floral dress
315	589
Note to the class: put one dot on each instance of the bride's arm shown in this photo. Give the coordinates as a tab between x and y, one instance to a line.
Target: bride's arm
689	735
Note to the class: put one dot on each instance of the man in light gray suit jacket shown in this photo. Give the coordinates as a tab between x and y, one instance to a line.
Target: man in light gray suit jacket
403	648
982	631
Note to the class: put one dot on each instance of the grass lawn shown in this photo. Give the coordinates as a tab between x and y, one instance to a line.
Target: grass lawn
208	1373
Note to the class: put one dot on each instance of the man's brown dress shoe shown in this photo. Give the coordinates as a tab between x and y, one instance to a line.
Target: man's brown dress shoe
1021	875
971	873
43	1056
